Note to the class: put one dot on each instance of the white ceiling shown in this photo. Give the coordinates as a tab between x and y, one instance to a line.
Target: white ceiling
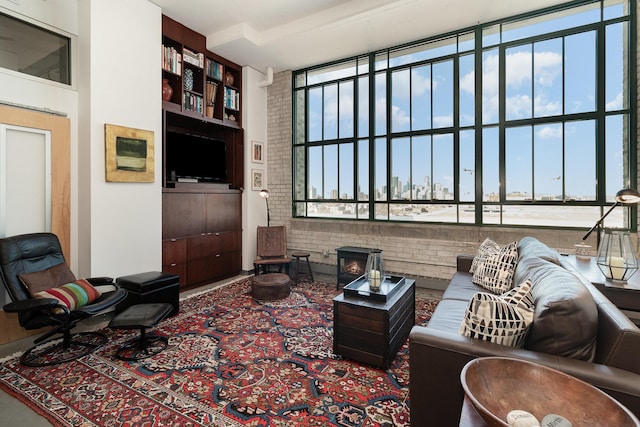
292	34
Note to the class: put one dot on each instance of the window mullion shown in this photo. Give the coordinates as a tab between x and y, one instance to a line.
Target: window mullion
478	126
372	135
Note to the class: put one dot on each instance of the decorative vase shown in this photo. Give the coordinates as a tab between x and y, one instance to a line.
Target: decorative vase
374	271
167	91
188	79
228	79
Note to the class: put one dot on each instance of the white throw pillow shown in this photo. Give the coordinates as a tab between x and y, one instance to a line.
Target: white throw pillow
501	319
494	271
487	247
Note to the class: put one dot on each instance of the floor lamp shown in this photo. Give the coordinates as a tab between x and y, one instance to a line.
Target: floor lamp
626	196
264	193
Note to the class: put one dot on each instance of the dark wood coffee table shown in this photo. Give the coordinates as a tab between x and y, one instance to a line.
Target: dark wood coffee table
371	331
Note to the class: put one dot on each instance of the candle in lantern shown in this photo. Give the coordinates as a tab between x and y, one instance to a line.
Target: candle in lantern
374	279
617	267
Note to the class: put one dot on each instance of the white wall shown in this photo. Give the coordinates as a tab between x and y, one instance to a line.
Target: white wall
254	122
120	223
115	227
60	16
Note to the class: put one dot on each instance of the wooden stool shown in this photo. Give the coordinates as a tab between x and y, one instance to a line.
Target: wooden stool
270	286
298	275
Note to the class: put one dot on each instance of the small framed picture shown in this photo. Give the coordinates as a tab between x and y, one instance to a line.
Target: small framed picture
257	152
257	179
129	154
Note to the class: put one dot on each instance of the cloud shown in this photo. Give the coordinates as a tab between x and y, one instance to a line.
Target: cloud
547	68
442	121
550	131
616	103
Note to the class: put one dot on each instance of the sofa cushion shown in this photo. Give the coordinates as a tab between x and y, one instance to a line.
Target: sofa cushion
494	271
565	322
530	246
461	287
487	247
502	319
448	315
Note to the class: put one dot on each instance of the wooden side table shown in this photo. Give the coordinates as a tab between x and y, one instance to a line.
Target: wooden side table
469	417
371	331
625	296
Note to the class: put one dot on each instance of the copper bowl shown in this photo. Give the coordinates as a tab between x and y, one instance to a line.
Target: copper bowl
497	385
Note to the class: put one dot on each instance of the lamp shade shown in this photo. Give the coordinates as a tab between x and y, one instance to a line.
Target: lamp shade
627	196
616	257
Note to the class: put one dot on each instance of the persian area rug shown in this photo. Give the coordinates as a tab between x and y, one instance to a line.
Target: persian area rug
231	361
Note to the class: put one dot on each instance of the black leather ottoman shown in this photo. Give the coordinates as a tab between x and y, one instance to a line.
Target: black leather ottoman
150	287
141	316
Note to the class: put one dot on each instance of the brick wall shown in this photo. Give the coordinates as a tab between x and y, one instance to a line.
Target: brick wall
417	250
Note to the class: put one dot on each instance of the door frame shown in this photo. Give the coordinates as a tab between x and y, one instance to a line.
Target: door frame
60	128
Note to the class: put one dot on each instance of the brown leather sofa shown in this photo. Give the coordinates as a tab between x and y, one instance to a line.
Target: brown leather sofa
575	330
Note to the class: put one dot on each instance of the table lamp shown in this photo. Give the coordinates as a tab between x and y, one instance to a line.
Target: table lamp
264	193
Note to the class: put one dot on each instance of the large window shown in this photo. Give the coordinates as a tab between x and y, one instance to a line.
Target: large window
526	121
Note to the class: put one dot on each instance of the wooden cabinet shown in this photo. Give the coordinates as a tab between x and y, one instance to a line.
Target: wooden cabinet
204	85
174	258
202	234
202	159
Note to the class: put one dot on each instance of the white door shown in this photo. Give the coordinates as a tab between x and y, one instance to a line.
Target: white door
25	180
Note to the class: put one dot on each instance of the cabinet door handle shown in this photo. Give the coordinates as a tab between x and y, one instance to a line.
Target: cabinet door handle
217	234
173	264
174	240
217	255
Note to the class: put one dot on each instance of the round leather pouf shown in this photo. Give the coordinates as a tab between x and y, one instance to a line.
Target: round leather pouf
270	286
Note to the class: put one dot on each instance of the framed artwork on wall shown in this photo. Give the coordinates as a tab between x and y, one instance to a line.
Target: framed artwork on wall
129	154
257	179
257	152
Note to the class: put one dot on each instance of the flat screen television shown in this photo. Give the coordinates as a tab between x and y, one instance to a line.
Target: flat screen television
195	158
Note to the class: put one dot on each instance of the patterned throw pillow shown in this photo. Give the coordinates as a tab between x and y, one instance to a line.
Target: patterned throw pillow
487	247
73	295
494	272
501	319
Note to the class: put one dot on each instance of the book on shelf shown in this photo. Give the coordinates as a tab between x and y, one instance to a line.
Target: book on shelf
171	59
214	69
193	58
192	102
231	98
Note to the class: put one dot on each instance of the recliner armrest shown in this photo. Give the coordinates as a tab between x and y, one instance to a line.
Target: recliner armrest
30	305
107	300
97	281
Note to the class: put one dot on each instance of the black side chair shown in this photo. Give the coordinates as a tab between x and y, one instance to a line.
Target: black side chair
37	252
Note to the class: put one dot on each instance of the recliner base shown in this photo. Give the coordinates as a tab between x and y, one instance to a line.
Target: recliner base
63	349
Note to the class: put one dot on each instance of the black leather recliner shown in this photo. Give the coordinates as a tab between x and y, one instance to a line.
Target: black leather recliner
36	252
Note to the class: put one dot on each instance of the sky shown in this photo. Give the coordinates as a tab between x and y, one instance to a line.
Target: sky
422	98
